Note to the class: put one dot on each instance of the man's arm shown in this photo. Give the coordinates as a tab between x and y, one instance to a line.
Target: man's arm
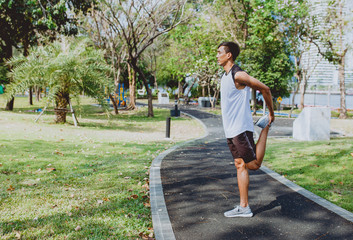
243	78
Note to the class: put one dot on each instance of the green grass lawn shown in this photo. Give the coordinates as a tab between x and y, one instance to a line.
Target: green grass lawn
324	168
87	182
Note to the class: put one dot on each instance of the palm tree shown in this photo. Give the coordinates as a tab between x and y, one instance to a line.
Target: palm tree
68	68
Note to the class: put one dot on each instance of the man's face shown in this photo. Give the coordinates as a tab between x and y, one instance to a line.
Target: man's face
222	56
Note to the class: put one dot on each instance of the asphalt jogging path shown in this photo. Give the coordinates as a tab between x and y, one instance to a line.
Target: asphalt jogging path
198	184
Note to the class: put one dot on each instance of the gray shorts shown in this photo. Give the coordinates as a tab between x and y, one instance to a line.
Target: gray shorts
243	146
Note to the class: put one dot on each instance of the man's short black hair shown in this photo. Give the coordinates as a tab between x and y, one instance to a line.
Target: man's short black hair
231	47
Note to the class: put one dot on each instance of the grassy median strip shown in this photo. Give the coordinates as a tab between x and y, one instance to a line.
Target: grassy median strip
90	182
323	167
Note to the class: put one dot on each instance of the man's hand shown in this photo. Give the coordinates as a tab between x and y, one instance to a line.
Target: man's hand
271	117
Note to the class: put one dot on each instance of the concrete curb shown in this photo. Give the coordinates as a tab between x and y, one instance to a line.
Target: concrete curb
161	223
311	196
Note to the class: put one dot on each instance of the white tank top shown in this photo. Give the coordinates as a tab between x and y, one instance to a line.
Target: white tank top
235	104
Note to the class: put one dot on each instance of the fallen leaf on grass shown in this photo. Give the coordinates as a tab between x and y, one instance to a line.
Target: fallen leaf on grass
0	164
314	165
106	199
147	204
18	235
352	154
332	181
146	236
59	153
142	235
11	188
51	169
54	206
134	196
78	228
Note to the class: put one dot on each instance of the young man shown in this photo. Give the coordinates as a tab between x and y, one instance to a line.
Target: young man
238	123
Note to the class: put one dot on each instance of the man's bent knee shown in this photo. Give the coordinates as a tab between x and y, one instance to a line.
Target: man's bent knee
239	163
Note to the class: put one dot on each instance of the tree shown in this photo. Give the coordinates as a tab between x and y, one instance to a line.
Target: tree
191	51
105	37
253	24
22	20
176	61
297	26
138	23
334	47
237	13
267	55
67	67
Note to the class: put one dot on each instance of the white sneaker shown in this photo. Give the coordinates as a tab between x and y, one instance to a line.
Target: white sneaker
239	211
263	121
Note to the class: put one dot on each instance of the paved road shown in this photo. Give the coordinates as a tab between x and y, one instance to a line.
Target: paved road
199	184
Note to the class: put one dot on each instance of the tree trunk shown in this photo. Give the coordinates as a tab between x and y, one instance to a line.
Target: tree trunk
132	87
341	65
37	92
61	104
254	102
302	91
30	96
116	79
9	105
155	80
8	54
115	103
213	100
133	62
180	90
343	109
293	98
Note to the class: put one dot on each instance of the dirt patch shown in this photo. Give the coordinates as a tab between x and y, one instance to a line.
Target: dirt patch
14	126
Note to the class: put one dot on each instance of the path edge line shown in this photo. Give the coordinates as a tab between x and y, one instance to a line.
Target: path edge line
160	219
311	196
